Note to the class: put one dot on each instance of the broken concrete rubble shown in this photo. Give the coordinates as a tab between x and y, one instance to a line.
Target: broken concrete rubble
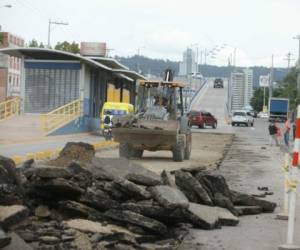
11	191
240	199
4	239
152	225
192	188
168	179
91	203
169	197
11	215
42	211
131	190
44	171
248	210
203	216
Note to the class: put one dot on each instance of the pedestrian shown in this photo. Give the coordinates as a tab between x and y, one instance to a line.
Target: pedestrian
294	131
272	133
278	134
287	128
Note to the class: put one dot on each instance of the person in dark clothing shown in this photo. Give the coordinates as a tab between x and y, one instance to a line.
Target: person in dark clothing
294	131
272	133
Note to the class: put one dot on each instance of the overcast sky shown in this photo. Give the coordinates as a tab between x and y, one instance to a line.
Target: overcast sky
164	28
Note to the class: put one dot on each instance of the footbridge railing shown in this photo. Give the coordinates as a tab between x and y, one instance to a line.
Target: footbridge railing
60	116
9	108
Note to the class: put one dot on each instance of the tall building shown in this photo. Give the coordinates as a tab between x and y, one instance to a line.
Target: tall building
10	67
241	89
188	65
248	85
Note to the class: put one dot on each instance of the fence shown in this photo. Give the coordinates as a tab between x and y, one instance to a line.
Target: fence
60	116
9	108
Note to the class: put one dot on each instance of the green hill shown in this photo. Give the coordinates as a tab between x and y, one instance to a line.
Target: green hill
157	66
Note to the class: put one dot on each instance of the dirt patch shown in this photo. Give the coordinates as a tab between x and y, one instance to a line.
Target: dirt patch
74	151
207	150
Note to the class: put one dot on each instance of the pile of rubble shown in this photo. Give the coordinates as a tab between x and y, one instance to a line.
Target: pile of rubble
112	204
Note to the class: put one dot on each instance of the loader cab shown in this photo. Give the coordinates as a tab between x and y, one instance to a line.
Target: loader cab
160	100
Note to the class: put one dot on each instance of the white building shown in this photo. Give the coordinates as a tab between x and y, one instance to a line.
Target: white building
241	89
248	85
188	65
10	67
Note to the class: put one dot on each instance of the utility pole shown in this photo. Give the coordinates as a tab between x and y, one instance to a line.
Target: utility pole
49	29
201	55
138	58
197	55
289	59
298	38
271	79
298	68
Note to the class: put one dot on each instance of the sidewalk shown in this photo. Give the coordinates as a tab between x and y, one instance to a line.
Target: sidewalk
23	147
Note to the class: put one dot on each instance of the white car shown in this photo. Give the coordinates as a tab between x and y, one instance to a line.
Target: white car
263	115
242	117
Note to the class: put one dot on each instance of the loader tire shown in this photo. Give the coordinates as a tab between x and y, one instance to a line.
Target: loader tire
178	151
125	150
188	147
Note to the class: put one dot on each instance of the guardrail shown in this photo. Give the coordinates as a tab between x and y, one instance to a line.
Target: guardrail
9	108
60	116
196	93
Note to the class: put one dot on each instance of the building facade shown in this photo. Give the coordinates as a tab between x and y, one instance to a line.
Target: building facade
10	67
241	88
53	78
188	65
248	85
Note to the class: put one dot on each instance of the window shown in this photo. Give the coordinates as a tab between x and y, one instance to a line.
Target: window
239	114
194	113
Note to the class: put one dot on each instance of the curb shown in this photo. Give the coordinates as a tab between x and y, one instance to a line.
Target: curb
48	154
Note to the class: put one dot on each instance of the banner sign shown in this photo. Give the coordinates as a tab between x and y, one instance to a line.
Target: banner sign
264	81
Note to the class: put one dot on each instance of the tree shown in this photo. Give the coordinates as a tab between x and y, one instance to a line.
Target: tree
257	100
69	47
287	88
1	38
33	43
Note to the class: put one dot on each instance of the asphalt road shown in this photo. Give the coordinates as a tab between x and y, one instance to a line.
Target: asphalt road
250	163
213	100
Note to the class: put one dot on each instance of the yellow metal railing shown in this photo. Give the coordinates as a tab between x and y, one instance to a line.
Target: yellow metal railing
60	116
9	108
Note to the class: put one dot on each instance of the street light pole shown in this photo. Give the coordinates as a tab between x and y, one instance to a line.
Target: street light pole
298	68
49	29
298	38
271	79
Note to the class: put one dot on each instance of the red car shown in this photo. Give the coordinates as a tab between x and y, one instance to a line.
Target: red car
202	119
